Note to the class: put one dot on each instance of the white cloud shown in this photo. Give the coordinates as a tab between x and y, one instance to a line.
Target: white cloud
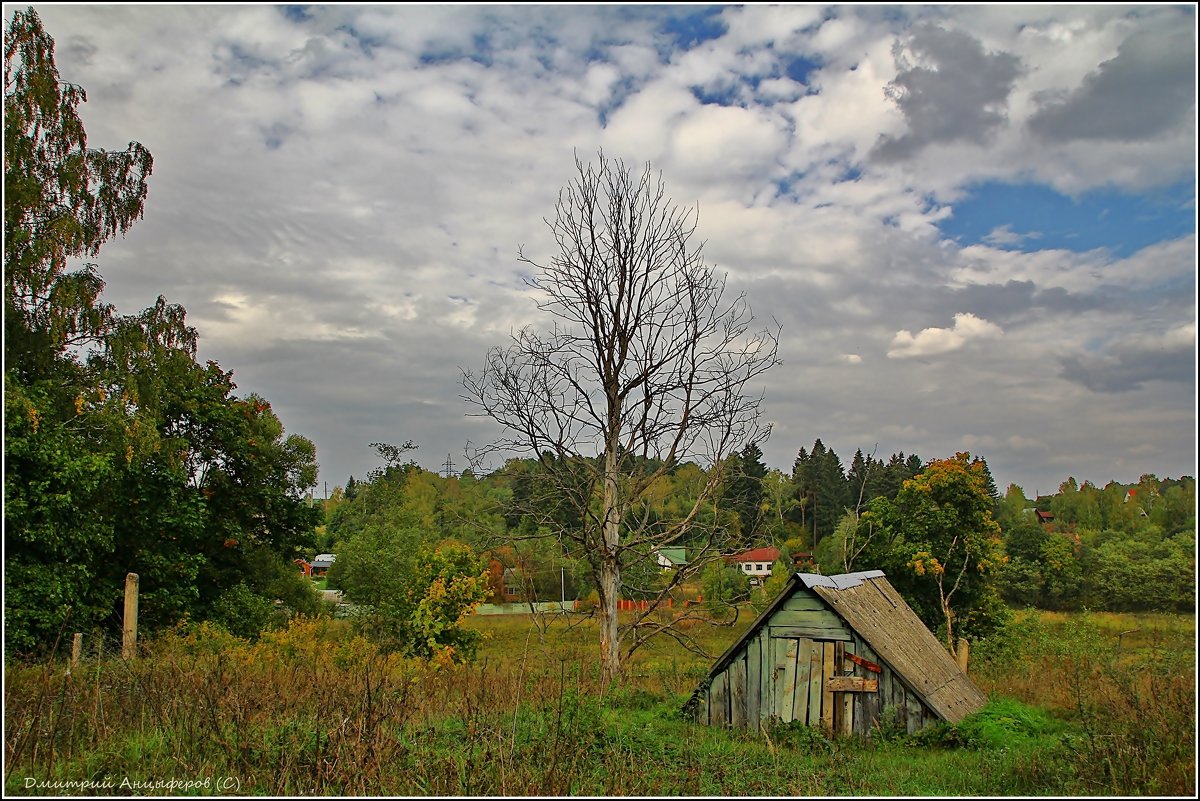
345	194
936	341
1004	235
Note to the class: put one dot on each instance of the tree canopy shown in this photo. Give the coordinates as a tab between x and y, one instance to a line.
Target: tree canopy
122	452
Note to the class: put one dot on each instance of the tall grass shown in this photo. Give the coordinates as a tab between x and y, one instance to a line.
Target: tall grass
315	710
1127	683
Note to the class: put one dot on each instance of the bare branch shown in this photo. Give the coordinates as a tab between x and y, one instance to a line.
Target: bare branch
645	366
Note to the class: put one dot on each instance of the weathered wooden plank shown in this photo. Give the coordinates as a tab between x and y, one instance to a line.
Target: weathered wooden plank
899	701
753	691
827	669
846	710
816	677
885	688
805	603
787	694
737	693
853	684
813	619
838	662
719	715
802	632
714	717
778	652
803	674
766	686
914	712
867	706
861	671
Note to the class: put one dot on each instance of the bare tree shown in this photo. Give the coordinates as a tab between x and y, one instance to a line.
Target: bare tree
643	367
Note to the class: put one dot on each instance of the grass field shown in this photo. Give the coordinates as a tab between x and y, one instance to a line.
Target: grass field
1081	705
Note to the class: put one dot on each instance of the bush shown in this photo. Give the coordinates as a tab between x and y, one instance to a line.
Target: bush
244	613
1004	723
722	587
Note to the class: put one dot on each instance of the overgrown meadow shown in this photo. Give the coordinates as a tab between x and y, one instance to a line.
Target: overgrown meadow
1082	704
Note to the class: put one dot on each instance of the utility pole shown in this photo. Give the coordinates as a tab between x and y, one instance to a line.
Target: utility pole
449	465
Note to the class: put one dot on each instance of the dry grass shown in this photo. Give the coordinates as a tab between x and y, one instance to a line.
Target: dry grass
316	710
1127	681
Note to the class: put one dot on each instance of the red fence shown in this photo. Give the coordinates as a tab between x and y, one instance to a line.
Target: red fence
641	606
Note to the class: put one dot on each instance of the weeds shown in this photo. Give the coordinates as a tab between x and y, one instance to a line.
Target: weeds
314	710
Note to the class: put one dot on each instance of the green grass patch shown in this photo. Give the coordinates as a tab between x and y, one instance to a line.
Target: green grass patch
1080	706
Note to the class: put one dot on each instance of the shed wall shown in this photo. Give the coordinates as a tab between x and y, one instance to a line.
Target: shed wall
782	672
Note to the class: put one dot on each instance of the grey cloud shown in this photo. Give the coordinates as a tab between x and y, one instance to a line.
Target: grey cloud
1128	366
1148	88
320	271
79	50
955	92
1018	299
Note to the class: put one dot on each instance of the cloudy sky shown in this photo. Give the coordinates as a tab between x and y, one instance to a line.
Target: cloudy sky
976	225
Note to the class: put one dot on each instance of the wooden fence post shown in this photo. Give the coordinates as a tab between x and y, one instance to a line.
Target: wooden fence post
129	633
76	649
963	653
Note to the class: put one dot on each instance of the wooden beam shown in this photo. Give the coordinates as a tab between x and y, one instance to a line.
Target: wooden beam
865	663
801	633
851	684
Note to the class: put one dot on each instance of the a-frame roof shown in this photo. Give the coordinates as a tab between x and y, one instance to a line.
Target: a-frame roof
877	613
880	616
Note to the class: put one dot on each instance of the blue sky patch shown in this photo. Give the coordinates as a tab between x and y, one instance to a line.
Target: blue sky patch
723	95
296	13
695	28
1031	217
798	69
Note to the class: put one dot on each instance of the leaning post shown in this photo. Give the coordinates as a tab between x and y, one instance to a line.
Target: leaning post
963	653
76	648
129	632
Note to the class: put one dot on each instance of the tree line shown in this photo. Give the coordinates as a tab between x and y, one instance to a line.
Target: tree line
961	553
122	452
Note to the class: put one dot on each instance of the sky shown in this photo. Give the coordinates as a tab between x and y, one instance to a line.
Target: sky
975	224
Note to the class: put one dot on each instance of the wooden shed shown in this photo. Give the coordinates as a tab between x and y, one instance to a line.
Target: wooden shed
839	652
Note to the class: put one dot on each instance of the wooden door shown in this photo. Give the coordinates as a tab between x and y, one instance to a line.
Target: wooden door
815	681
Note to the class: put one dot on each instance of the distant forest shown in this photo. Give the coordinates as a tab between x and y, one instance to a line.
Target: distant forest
1122	547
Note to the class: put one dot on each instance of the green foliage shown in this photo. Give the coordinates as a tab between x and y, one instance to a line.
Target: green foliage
743	493
781	574
62	200
722	585
1123	547
414	596
454	586
1003	723
243	612
121	452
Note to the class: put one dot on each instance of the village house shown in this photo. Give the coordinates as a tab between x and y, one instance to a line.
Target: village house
756	563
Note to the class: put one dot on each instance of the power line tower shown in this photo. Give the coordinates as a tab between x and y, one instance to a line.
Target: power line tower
449	465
